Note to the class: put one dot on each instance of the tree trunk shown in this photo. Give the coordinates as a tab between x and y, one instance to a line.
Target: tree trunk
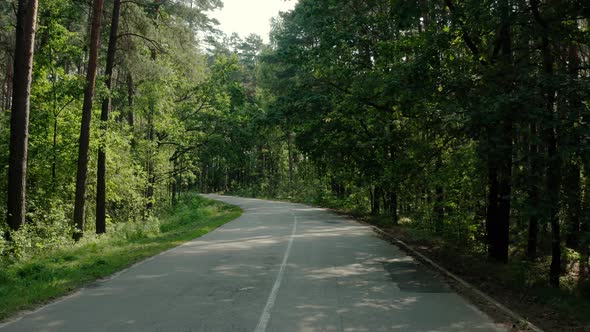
290	156
550	130
393	206
372	200
149	163
19	118
175	183
585	222
376	200
533	193
8	84
584	195
572	193
104	118
130	94
54	151
573	180
553	187
500	163
439	210
505	189
499	195
492	206
84	142
205	179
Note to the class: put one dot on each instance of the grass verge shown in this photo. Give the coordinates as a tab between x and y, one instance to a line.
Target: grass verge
26	284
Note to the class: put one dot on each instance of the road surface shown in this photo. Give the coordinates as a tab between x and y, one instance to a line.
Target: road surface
279	267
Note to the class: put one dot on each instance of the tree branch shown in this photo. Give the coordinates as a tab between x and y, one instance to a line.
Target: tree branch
151	41
466	38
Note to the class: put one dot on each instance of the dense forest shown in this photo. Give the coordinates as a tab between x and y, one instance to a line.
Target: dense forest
466	119
99	124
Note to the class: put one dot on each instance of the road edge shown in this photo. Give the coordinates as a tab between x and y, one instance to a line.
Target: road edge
519	320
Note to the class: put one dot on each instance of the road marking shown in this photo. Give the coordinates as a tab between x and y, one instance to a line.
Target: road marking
265	317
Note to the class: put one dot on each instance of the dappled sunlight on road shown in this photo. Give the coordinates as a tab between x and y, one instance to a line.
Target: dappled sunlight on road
387	304
341	271
242	230
309	209
206	247
238	270
338	276
153	276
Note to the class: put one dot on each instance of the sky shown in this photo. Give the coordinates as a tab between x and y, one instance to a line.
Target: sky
250	16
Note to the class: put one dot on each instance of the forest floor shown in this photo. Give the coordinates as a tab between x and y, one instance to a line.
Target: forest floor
29	283
509	284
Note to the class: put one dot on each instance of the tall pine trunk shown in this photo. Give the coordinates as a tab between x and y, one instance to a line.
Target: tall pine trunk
573	180
585	221
553	188
84	142
375	195
439	209
533	193
149	193
19	118
500	162
290	156
7	85
130	95
393	206
104	118
550	133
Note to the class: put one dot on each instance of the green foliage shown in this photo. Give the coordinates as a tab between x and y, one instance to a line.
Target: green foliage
449	117
159	62
46	231
455	118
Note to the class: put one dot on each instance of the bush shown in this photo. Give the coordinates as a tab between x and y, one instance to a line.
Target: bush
133	231
36	237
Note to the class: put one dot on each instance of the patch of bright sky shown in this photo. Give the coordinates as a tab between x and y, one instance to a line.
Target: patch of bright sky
250	16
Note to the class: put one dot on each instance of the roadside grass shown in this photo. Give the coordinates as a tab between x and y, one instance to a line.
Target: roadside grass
23	285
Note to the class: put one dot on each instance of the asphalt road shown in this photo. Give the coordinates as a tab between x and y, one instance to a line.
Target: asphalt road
279	267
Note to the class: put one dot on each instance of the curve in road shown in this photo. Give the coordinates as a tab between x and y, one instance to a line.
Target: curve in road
279	267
